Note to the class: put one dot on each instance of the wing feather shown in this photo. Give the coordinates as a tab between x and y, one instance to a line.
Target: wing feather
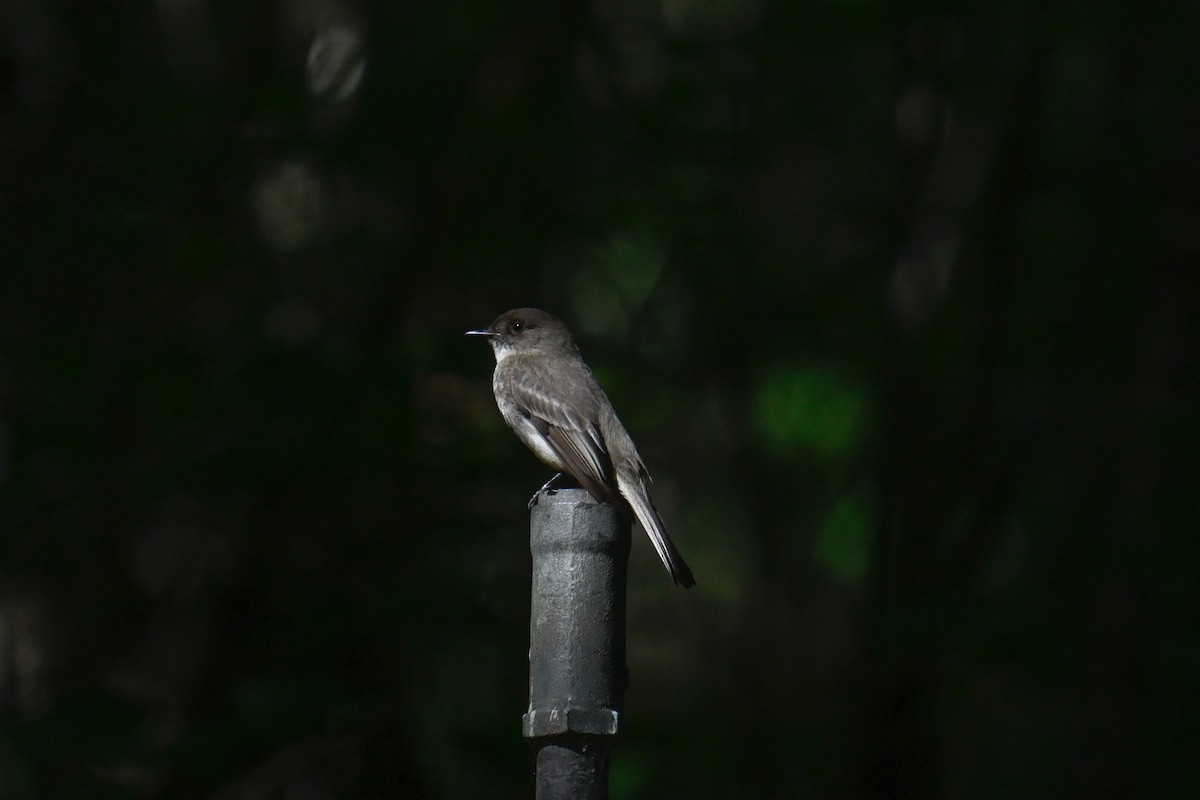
568	429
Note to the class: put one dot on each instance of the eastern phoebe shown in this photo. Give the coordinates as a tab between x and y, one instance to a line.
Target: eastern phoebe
551	400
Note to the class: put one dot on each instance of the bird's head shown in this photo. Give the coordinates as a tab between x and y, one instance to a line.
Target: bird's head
527	330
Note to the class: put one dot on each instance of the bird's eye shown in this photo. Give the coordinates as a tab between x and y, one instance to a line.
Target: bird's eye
517	326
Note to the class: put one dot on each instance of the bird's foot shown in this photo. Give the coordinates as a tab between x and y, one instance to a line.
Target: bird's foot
548	486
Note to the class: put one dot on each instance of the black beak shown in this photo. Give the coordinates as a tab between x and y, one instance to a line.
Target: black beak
488	334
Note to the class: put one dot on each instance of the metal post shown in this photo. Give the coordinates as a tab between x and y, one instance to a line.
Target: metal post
576	642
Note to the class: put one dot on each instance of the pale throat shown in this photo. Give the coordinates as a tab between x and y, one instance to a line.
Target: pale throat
503	352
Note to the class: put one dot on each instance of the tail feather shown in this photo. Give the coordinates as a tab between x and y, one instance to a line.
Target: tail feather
643	509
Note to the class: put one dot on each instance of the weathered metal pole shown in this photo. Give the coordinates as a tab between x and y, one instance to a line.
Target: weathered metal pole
576	642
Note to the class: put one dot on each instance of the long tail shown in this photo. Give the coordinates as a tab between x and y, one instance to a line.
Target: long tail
639	500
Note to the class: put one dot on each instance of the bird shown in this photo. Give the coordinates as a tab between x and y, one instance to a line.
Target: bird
552	401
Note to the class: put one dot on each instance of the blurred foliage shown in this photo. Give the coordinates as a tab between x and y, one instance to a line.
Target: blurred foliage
843	545
899	301
810	410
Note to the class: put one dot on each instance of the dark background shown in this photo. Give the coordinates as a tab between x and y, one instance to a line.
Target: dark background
899	300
